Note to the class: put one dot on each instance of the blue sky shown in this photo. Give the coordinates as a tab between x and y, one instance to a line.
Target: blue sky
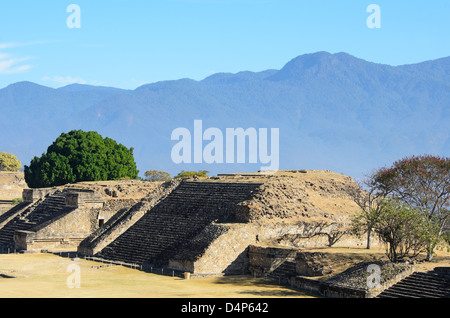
128	43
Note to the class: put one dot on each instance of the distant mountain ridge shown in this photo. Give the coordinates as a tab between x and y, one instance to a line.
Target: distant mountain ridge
334	111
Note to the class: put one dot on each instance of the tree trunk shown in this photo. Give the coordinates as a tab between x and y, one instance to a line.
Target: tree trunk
430	252
369	241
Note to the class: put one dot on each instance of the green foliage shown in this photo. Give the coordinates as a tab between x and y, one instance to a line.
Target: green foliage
446	241
190	174
17	201
81	156
422	182
9	162
404	229
446	237
156	175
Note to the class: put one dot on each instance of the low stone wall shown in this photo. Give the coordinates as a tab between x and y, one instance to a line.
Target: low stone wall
226	254
28	241
75	199
374	292
328	289
62	218
31	195
352	283
309	264
235	250
66	231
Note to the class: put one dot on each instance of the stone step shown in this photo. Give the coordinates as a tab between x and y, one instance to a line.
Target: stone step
41	211
420	285
415	291
175	220
288	268
396	294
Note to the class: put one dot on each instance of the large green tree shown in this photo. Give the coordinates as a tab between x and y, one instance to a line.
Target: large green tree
81	156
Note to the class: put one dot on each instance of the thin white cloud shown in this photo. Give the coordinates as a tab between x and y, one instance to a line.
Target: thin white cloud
11	65
64	80
9	45
67	80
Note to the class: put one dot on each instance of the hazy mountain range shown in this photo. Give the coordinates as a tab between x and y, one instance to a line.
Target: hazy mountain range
334	111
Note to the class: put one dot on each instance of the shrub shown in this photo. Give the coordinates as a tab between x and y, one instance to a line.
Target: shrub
156	175
17	201
190	174
9	162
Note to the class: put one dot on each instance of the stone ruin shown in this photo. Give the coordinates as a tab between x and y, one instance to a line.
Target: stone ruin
11	187
254	224
204	226
60	218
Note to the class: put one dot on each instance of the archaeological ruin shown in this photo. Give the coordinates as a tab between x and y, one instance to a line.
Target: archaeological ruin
60	218
254	223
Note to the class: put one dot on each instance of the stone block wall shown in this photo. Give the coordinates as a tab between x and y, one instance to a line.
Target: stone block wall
66	231
224	252
11	185
310	264
31	195
264	260
54	219
233	248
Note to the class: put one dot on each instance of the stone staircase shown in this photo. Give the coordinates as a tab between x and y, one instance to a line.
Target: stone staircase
283	272
433	284
184	213
37	213
10	214
123	219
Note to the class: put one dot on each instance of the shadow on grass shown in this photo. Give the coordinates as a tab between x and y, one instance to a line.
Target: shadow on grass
273	289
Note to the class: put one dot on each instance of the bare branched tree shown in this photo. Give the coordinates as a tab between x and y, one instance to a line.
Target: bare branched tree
370	200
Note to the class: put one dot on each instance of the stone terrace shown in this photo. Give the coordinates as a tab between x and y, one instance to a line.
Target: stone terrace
184	213
27	215
206	226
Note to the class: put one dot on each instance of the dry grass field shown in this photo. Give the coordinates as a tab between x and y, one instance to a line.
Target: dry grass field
46	276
